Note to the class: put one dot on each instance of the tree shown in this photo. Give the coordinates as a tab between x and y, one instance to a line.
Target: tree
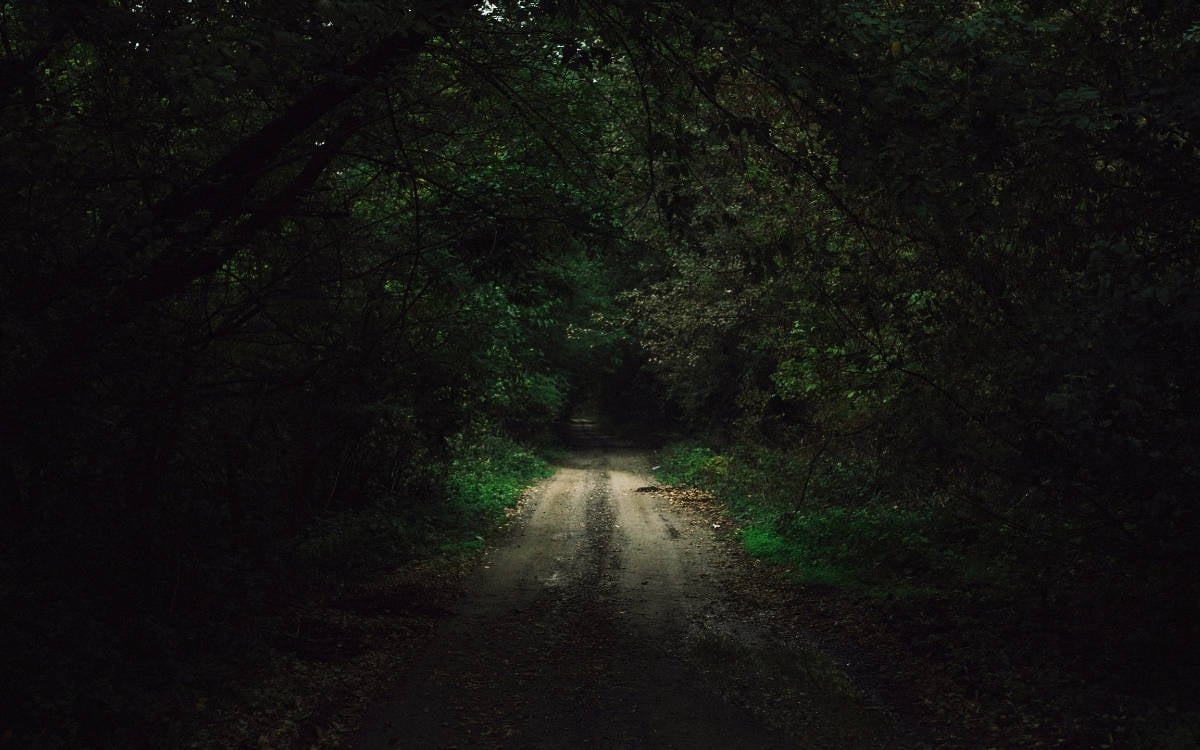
972	221
267	263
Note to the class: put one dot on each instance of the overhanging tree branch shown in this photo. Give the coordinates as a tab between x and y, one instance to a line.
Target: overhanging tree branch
188	217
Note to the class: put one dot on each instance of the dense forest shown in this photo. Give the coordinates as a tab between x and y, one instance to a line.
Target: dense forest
293	290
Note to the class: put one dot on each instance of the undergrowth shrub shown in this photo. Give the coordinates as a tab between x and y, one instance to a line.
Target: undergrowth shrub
485	476
832	520
353	542
488	474
940	556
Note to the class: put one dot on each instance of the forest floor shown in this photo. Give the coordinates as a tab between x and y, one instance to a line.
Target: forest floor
612	613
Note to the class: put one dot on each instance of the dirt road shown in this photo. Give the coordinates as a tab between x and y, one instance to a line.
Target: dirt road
611	617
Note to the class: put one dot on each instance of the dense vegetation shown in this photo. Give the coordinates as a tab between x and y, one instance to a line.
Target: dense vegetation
286	284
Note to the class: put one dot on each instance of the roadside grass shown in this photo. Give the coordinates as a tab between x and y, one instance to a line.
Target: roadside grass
468	500
832	529
488	476
324	641
1017	609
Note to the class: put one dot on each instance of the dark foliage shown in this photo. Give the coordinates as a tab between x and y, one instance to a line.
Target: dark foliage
269	264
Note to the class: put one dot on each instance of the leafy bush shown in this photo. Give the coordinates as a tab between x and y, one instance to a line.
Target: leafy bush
683	463
353	542
826	518
486	476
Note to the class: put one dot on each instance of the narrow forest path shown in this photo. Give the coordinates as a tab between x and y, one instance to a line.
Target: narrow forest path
610	617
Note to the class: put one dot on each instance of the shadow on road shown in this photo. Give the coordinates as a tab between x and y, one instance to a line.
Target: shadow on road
585	433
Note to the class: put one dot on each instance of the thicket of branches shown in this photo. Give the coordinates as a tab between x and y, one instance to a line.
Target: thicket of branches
264	264
955	242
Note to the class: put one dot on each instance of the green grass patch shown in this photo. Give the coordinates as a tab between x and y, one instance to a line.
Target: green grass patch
771	546
865	548
1021	580
462	547
488	476
684	463
830	522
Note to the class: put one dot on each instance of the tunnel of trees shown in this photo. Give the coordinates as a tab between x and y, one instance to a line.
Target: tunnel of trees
276	277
